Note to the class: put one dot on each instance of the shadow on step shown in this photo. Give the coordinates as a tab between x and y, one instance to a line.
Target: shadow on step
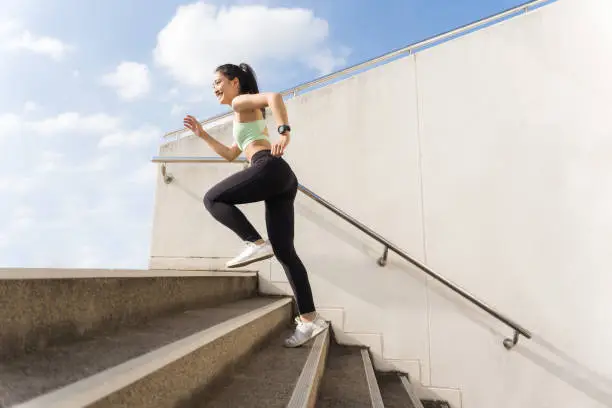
344	382
264	379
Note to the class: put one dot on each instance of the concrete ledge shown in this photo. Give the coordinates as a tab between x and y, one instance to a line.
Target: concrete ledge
48	307
173	374
51	273
201	263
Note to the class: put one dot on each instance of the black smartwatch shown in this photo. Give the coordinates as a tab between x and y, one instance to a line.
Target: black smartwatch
282	129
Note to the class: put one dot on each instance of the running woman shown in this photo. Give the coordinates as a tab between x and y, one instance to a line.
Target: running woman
269	178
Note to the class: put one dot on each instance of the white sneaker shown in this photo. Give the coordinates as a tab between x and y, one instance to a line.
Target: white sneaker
305	331
251	253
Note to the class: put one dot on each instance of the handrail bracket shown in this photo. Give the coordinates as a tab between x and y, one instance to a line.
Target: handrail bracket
168	178
382	261
510	343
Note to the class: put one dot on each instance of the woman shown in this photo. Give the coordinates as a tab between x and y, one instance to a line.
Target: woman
269	179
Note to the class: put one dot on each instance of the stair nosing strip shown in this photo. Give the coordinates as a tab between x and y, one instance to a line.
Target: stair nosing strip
304	386
374	389
95	387
416	401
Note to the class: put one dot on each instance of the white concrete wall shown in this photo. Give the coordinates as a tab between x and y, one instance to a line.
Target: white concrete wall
489	159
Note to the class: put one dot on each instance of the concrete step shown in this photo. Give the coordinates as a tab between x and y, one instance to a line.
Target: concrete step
349	380
265	381
167	362
397	392
45	307
274	377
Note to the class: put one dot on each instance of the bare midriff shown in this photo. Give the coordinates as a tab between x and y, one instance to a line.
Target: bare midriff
256	146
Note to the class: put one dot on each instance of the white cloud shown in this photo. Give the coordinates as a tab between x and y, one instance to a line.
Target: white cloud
22	220
75	122
141	136
131	80
30	106
177	110
10	125
100	163
327	61
14	37
49	46
88	256
202	36
62	197
106	129
146	175
49	161
14	185
8	27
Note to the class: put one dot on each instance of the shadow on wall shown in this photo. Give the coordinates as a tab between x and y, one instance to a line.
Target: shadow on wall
322	220
569	371
369	287
396	266
196	196
538	351
366	286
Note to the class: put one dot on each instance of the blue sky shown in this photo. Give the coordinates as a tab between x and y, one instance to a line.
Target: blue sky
89	87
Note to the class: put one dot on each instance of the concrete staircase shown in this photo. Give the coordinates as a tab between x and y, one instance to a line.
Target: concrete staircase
100	338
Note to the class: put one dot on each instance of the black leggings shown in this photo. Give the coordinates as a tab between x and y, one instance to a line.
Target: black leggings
268	179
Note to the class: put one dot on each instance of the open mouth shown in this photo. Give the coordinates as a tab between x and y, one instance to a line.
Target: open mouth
219	94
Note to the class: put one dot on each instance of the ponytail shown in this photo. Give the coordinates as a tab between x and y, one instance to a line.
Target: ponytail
249	84
246	78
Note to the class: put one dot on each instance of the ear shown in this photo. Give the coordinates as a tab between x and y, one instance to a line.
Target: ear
235	83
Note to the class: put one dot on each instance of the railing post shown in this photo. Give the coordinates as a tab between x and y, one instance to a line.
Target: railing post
382	261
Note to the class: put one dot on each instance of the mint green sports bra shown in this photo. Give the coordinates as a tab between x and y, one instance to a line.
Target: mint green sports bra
247	132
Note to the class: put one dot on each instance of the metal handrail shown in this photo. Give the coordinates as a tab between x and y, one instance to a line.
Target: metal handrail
509	343
409	49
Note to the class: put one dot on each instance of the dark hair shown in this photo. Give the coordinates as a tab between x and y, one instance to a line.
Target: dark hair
246	78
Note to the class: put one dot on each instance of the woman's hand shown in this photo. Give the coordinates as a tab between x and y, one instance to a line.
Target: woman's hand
278	148
192	124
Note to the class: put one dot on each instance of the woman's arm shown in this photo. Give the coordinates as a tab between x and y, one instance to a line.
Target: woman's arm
258	101
275	101
228	153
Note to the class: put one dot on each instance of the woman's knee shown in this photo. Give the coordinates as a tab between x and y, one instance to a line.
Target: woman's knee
209	199
283	252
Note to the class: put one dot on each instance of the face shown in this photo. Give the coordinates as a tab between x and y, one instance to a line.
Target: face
224	89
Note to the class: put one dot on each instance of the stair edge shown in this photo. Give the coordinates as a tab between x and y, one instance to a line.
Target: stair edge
94	388
72	273
373	388
307	386
410	391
